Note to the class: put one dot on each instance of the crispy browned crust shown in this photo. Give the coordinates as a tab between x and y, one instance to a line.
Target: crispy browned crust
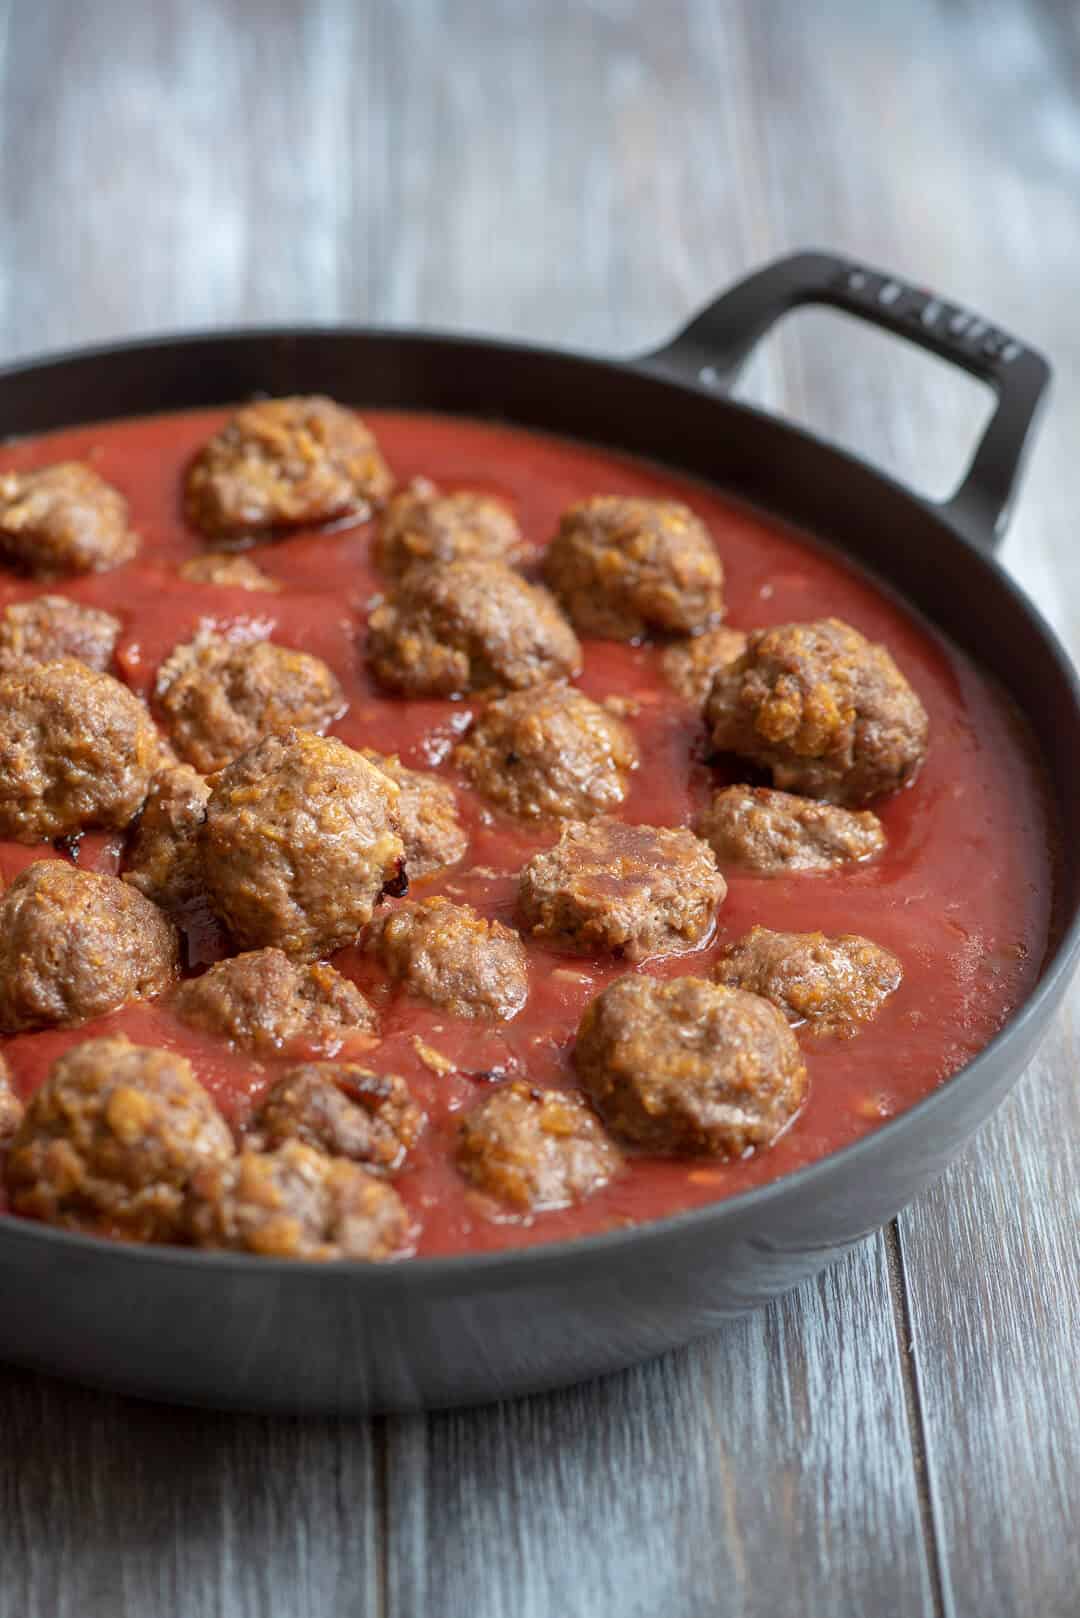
344	1109
217	699
301	839
77	749
535	1149
549	754
834	984
75	944
263	1002
827	711
762	830
63	519
458	627
449	955
636	891
624	568
689	1067
285	463
110	1140
297	1203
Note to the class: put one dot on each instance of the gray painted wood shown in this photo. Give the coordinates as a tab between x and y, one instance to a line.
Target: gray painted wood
111	1508
902	1436
768	1471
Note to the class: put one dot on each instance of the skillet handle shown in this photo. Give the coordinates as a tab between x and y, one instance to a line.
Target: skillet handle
712	349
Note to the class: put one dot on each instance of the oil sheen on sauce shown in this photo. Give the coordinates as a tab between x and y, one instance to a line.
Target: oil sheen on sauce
962	894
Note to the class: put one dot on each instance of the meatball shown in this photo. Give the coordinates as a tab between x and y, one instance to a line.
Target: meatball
263	1002
824	709
217	699
227	571
469	626
690	665
285	463
77	749
624	567
164	861
111	1139
52	627
344	1109
296	1203
535	1149
74	945
431	831
830	983
449	955
11	1108
689	1067
63	519
550	753
759	829
301	841
422	525
634	890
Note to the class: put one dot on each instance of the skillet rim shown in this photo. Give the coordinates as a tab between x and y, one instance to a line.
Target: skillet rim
1058	965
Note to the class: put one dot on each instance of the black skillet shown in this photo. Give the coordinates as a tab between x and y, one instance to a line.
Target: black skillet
262	1334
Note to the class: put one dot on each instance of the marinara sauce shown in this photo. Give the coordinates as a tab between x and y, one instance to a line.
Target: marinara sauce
962	893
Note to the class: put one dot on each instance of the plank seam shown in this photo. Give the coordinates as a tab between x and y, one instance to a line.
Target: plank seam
380	1452
916	1421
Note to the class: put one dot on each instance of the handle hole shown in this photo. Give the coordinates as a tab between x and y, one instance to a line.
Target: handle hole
892	404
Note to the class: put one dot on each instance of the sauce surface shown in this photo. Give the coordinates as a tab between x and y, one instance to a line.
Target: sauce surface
962	893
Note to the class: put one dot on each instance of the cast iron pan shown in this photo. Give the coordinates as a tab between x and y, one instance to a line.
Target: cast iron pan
264	1334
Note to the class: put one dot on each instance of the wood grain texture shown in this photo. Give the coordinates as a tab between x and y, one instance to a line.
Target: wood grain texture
768	1471
109	1507
903	1435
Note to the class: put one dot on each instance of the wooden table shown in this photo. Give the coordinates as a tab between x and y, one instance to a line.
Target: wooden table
903	1436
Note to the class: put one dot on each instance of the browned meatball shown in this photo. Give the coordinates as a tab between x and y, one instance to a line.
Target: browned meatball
423	525
535	1149
686	1066
74	945
634	890
51	627
63	519
228	572
344	1109
551	753
296	1203
111	1139
11	1108
691	664
285	463
759	829
164	862
469	626
217	699
831	983
432	833
449	955
77	749
300	842
623	567
824	709
263	1002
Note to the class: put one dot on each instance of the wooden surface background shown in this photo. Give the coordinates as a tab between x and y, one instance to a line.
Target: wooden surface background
902	1437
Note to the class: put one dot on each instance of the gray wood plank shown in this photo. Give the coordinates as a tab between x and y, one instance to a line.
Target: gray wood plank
134	1510
586	174
991	1258
767	1471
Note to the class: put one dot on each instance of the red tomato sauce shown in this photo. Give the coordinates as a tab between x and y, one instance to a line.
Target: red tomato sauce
962	894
